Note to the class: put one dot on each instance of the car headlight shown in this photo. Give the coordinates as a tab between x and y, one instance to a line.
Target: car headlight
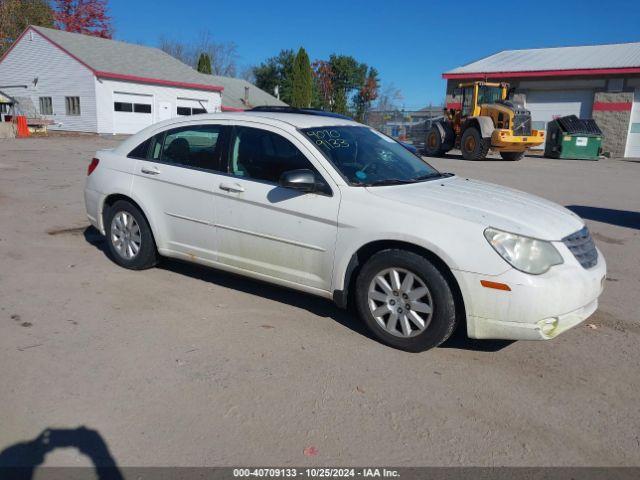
526	254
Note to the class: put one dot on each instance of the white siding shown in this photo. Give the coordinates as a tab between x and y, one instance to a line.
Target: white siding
59	76
105	90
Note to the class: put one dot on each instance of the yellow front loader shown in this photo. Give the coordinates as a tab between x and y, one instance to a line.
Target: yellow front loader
486	119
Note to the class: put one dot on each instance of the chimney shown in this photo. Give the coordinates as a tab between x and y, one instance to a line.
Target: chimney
246	95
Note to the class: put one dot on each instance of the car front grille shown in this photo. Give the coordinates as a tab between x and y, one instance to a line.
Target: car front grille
522	122
582	246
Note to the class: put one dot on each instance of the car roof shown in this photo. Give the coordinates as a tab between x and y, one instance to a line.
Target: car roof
298	120
286	121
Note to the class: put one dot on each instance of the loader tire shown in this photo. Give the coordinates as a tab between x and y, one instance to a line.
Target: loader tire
473	146
433	146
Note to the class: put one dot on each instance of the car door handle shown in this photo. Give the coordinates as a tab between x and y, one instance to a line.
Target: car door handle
150	171
231	187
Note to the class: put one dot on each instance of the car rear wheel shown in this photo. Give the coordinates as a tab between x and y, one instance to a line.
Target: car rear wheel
511	156
405	300
473	146
129	238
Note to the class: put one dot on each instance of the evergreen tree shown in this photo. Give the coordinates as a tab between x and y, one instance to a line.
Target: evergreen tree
204	64
276	72
301	81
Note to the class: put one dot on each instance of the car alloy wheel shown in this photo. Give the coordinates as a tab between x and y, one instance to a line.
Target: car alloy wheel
125	235
400	302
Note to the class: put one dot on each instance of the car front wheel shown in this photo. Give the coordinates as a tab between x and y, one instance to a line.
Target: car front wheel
405	300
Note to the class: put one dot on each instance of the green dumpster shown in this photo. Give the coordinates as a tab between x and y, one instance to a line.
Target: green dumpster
572	138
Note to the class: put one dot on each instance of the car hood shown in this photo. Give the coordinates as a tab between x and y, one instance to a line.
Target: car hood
487	204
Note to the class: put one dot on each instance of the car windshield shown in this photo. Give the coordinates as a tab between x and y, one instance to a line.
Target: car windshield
366	157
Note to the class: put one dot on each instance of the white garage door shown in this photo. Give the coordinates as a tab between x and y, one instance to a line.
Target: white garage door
633	139
131	112
545	105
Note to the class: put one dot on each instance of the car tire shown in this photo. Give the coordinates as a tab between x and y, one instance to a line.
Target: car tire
473	146
394	316
129	238
512	156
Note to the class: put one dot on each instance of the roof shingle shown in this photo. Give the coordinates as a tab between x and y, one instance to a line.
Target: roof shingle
115	59
624	55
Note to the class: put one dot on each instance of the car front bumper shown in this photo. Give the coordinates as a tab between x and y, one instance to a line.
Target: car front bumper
538	307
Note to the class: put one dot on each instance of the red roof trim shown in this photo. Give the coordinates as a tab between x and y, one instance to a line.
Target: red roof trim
157	81
543	73
612	106
231	109
118	76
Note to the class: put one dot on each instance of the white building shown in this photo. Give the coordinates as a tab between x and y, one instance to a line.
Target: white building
90	84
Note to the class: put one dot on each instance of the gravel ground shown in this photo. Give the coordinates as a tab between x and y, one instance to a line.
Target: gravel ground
184	365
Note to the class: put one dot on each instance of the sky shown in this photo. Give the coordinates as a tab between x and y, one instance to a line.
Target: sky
410	43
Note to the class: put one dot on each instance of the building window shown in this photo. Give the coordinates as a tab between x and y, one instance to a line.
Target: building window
141	108
122	107
190	111
72	105
131	107
46	106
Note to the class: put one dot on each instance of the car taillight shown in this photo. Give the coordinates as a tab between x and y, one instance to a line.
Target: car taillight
92	166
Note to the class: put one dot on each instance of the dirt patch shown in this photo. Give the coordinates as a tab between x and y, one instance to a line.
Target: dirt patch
67	231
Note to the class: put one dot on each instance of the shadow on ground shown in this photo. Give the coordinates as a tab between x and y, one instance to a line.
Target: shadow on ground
315	305
621	218
20	461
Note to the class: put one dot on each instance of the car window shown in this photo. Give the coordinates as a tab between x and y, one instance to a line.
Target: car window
141	150
196	146
264	155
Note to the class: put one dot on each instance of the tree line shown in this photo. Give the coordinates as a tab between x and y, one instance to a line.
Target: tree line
79	16
338	84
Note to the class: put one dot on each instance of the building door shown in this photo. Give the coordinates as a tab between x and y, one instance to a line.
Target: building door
131	112
633	138
545	105
164	111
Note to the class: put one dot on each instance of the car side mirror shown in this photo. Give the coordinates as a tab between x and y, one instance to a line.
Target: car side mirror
302	179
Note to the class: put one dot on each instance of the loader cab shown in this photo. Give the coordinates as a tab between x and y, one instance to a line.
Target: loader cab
475	94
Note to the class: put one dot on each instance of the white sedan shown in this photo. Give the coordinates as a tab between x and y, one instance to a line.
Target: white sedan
334	208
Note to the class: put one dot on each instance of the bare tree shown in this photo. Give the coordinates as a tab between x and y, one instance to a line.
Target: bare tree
246	73
223	55
389	98
176	49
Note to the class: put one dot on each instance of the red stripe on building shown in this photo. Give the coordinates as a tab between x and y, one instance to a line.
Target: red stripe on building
543	73
612	106
454	105
157	81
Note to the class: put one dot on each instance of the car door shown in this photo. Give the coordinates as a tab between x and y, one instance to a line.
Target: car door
175	180
271	230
